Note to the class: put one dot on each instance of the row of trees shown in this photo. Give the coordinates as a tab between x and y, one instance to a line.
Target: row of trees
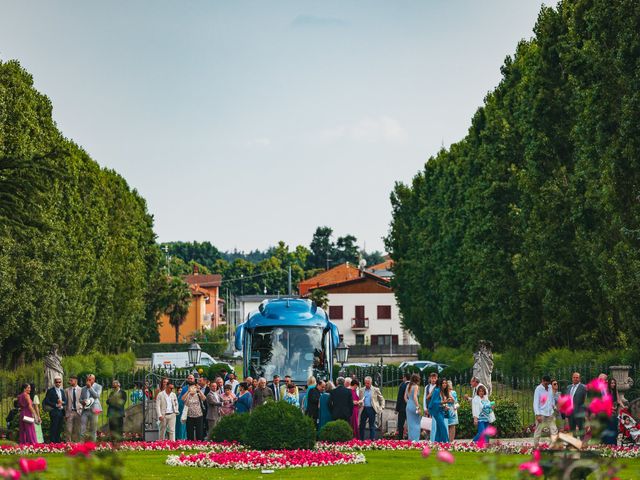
78	256
260	272
527	231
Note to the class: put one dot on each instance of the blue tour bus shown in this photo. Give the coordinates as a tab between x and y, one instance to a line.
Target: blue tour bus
288	336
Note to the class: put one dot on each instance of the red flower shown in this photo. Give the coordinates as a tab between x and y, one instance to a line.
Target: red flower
81	449
426	451
30	465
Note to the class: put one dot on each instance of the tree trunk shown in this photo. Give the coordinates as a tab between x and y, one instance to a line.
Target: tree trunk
177	333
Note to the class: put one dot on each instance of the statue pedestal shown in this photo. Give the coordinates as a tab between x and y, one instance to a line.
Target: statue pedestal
620	373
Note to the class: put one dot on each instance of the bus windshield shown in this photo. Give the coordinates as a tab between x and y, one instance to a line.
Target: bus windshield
296	351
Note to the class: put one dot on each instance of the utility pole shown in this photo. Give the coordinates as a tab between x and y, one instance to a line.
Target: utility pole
289	280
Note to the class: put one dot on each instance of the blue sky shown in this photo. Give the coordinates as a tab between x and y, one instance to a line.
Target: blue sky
248	122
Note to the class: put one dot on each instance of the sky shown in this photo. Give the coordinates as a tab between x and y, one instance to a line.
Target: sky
248	122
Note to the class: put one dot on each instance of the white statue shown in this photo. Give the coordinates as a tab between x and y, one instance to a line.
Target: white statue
52	367
483	365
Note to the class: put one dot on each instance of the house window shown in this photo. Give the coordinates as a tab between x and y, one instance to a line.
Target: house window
360	312
335	312
359	339
384	312
384	339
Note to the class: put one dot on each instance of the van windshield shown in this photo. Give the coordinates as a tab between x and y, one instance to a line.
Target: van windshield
295	351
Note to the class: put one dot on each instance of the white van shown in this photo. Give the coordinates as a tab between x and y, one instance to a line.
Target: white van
178	360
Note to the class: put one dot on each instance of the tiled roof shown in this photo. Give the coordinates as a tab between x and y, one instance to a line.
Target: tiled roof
341	273
203	280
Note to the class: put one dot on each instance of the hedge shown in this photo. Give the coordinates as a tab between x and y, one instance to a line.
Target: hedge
507	420
230	428
279	426
145	350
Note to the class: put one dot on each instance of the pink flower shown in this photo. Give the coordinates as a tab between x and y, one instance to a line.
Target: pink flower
490	431
426	451
565	404
81	449
602	405
533	466
445	456
597	385
30	465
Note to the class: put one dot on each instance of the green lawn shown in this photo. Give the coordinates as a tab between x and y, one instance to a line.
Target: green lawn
380	465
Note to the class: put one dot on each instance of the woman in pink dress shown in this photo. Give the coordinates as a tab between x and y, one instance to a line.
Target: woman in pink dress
356	407
27	429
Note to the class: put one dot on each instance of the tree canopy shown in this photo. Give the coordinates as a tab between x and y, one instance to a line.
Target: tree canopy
526	232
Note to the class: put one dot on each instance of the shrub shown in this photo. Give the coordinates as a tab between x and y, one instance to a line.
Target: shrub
230	428
507	421
336	431
278	425
215	370
104	366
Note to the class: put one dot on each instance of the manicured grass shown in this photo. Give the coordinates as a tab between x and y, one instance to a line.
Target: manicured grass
380	465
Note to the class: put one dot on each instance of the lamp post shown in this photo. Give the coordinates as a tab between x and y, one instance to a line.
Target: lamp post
194	351
342	353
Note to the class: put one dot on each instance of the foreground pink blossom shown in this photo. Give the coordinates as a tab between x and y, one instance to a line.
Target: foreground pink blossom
565	404
597	385
445	456
10	473
602	405
31	465
426	451
533	466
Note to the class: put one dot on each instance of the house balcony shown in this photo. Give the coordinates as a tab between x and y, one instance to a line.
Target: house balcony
359	323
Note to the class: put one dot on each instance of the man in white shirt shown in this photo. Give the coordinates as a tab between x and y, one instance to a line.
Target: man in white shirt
167	406
433	378
543	409
233	382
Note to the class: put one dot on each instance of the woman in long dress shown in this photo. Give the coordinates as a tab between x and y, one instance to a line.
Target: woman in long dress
436	409
411	395
27	430
453	411
325	413
35	400
356	407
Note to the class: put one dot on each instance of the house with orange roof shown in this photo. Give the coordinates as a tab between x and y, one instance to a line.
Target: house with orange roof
205	311
362	304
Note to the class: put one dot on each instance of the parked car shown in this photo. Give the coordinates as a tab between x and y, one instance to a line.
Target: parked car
422	365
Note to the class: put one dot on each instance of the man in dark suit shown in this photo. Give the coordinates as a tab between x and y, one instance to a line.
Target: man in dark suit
401	405
54	402
578	393
276	388
115	410
341	402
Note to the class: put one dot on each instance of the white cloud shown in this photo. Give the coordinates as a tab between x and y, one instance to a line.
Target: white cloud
259	142
368	130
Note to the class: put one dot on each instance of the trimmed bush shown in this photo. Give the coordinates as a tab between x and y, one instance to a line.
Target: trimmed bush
336	431
214	370
231	428
277	426
507	421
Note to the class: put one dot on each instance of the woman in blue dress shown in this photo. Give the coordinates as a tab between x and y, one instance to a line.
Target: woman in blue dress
325	413
453	411
436	409
181	428
413	408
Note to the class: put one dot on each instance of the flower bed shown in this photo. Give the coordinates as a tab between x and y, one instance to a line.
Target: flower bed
494	446
272	459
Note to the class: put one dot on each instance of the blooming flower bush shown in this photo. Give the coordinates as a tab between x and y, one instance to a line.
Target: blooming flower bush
275	459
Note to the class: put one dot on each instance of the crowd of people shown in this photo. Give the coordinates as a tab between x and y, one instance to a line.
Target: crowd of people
548	415
193	409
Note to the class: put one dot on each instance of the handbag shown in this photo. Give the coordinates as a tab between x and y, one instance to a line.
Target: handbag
425	423
26	419
185	414
492	417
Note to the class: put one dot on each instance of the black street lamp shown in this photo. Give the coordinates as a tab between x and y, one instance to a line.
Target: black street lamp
194	351
342	353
